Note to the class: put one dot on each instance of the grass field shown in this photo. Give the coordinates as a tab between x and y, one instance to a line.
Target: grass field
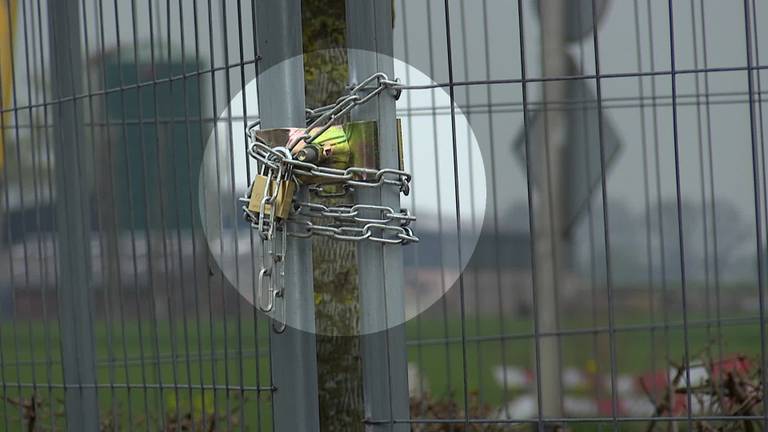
211	358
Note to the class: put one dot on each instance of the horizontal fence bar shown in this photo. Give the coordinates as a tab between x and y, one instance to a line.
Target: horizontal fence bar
670	325
563	420
142	386
151	83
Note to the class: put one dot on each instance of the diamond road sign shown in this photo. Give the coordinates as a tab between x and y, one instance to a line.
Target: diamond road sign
581	161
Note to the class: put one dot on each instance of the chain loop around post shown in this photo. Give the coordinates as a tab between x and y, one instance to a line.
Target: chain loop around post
278	170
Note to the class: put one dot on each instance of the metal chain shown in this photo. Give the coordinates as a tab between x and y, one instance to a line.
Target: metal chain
374	232
350	177
353	213
359	222
322	118
273	259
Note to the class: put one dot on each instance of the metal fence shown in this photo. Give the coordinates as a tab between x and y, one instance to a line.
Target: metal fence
589	183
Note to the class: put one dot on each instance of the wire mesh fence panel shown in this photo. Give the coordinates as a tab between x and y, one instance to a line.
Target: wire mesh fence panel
109	290
586	180
600	293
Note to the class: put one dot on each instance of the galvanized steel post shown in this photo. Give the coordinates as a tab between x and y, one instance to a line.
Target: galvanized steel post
281	98
548	236
384	355
73	226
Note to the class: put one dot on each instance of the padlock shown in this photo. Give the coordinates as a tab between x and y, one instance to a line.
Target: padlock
282	197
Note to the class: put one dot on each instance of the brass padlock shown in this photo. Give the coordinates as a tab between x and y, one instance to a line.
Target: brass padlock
283	196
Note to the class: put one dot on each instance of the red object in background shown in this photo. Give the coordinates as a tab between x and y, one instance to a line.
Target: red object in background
656	383
735	364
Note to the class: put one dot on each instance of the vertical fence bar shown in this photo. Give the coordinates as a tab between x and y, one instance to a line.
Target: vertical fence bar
384	355
548	236
281	98
75	303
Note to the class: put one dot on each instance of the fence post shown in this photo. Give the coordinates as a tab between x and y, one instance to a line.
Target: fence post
73	226
549	231
380	268
281	98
